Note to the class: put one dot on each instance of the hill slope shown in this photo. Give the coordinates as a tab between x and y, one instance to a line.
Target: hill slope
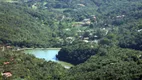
22	26
24	21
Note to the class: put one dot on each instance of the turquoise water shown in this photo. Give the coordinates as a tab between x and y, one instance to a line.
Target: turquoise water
47	54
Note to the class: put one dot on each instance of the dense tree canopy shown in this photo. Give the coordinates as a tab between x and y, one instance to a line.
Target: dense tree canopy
124	64
24	66
76	54
94	36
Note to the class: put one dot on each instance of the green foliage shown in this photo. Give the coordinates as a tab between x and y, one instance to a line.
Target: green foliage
48	23
24	23
117	64
27	67
22	26
76	54
131	37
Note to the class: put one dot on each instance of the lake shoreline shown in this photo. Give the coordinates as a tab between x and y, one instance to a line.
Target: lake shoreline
21	49
44	53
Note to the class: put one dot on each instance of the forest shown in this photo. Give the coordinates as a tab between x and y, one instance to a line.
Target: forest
102	39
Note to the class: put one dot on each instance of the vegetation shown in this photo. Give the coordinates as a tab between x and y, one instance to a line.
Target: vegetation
132	38
21	26
117	64
103	39
76	54
27	67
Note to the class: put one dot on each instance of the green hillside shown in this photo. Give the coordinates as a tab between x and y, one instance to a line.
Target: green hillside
22	26
27	67
24	21
103	39
116	64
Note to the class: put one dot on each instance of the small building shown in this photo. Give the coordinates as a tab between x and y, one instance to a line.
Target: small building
6	63
69	38
8	47
86	38
120	16
82	5
7	74
96	37
86	41
139	30
86	22
93	17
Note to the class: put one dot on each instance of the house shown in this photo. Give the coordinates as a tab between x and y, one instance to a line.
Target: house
5	63
93	17
86	38
82	5
139	30
77	24
96	37
120	16
6	74
8	47
69	38
86	22
86	41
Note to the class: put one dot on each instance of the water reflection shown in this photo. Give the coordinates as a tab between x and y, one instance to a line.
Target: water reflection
47	54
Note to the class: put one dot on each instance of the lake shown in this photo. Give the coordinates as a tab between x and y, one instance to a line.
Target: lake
48	54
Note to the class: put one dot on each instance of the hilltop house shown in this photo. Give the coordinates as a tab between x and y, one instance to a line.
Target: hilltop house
86	22
93	17
120	16
6	74
86	38
86	41
82	5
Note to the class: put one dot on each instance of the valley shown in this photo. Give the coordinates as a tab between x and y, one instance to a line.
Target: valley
97	40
